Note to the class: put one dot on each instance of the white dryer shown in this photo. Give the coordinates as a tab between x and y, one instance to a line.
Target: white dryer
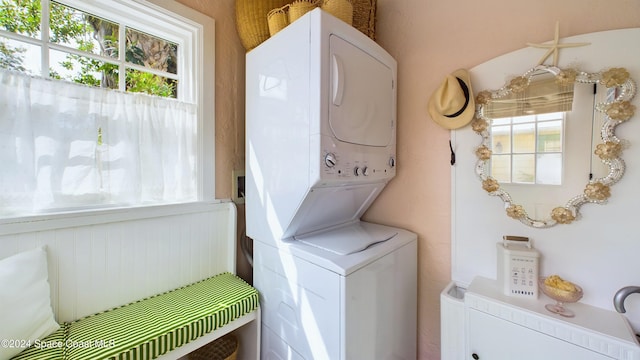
320	147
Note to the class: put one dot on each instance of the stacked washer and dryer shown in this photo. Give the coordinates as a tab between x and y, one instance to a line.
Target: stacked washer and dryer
320	147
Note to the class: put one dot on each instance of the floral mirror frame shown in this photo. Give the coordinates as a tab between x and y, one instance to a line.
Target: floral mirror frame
609	150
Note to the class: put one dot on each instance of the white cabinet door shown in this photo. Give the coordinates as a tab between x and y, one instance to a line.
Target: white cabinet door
491	338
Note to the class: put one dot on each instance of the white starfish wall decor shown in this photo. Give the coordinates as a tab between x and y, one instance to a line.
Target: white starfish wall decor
554	47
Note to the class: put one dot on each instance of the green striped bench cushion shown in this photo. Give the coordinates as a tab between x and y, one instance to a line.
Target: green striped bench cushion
154	326
49	348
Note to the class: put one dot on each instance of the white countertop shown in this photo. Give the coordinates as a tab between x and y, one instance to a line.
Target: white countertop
599	329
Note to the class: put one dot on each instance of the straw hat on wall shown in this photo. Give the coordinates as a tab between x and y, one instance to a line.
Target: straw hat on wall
452	105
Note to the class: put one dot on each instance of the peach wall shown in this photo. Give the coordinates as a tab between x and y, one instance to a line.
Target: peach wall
429	38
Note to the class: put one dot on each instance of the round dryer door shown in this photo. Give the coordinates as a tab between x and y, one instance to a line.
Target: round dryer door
363	98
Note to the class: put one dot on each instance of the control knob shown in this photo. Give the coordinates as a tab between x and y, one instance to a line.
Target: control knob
330	160
364	171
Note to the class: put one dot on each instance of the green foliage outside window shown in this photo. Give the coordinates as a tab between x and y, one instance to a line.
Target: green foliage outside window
92	35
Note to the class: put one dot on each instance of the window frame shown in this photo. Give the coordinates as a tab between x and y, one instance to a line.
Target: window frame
199	30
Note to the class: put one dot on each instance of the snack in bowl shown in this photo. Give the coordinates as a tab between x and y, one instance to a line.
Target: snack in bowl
556	282
562	291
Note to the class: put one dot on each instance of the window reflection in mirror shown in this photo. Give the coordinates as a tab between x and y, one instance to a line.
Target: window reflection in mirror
528	149
549	136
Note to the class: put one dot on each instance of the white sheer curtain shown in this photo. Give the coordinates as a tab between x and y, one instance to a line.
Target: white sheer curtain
68	146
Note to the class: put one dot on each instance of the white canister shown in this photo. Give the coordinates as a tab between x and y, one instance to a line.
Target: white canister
518	267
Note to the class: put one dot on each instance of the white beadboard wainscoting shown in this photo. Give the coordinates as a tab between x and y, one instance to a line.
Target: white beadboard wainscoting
105	259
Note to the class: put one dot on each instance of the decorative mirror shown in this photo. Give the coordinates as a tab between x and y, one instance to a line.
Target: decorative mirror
552	130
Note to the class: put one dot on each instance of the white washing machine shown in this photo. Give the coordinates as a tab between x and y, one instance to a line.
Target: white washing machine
324	304
320	147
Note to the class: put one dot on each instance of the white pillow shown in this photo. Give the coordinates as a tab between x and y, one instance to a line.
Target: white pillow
25	314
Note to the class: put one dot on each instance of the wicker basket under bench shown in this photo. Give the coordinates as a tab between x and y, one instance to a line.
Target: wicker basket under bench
165	326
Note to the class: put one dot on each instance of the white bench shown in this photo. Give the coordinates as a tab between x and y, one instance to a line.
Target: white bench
99	262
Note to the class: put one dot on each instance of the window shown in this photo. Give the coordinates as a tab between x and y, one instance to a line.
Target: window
528	149
106	107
